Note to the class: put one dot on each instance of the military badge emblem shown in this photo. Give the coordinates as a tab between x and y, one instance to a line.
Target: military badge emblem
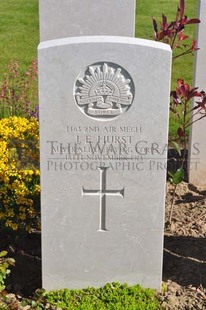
104	91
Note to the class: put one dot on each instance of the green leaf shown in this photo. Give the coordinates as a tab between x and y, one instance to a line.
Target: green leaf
178	177
3	253
2	278
171	174
177	147
33	303
40	292
11	261
2	269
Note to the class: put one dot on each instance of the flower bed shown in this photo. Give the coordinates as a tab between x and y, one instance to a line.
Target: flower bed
19	173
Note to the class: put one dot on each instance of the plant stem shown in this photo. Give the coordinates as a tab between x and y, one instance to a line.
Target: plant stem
172	204
184	132
183	54
172	45
188	125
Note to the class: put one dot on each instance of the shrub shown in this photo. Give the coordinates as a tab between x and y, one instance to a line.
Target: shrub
19	173
111	296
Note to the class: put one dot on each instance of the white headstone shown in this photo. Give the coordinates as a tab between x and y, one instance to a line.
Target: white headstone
71	18
197	156
104	129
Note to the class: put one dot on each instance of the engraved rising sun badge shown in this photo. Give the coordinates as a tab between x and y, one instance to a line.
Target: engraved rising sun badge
104	91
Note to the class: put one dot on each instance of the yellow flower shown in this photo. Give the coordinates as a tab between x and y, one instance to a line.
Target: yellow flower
19	178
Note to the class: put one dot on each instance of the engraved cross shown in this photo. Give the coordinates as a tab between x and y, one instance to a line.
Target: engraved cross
102	193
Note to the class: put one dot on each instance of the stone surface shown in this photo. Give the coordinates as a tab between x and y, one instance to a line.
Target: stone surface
71	18
103	129
197	159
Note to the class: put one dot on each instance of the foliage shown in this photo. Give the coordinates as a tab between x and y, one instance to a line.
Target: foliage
5	263
172	33
144	12
18	92
180	105
111	296
19	173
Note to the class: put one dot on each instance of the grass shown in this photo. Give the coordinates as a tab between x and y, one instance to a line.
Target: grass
18	32
182	67
146	9
19	29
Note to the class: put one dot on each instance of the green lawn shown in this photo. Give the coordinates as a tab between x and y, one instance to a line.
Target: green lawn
147	8
19	32
182	67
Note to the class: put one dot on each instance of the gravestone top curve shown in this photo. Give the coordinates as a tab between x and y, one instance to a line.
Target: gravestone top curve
102	39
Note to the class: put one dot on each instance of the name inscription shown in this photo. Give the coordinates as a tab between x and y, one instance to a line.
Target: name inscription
93	147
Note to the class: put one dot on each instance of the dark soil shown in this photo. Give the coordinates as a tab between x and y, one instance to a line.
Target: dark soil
25	276
184	269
